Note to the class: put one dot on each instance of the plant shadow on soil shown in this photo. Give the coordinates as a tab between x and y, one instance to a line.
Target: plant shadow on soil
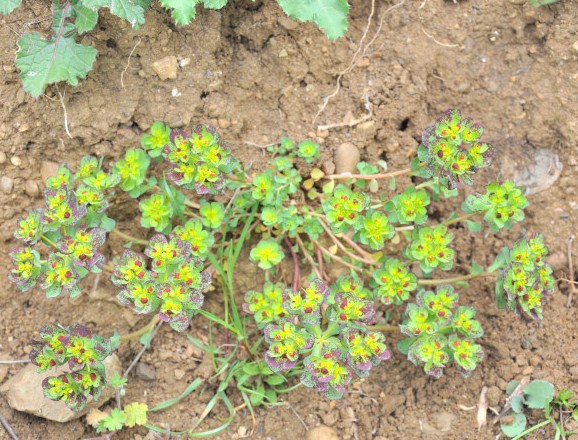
258	76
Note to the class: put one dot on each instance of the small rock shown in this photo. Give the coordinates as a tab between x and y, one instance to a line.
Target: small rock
31	188
328	167
3	372
330	418
527	371
283	53
2	157
145	371
16	161
166	68
48	169
6	184
179	374
346	158
184	62
24	393
323	134
242	431
322	433
575	46
287	22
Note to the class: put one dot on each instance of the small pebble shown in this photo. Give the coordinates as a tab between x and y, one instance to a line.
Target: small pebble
179	374
6	184
242	431
2	157
166	68
146	371
283	53
346	158
48	169
31	188
16	161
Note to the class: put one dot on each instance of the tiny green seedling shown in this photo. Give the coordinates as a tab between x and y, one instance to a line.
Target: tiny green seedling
327	331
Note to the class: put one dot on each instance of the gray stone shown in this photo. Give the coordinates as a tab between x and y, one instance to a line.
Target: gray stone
166	68
146	372
6	184
24	393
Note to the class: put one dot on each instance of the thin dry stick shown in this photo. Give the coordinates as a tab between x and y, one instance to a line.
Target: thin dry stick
571	268
299	417
335	257
62	95
351	65
17	361
308	256
8	428
378	31
341	246
128	63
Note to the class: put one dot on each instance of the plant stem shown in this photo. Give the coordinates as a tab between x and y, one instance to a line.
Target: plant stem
342	247
368	257
335	257
437	281
296	273
459	219
308	256
141	331
533	428
345	176
47	240
384	328
129	237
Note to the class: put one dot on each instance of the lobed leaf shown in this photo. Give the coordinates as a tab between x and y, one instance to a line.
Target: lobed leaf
7	6
329	15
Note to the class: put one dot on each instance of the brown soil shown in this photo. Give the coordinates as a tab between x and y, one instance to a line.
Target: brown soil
259	76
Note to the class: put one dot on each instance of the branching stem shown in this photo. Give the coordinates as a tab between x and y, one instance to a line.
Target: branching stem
438	281
129	237
345	176
141	331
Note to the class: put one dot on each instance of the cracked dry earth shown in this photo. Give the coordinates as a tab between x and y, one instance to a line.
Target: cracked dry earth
258	76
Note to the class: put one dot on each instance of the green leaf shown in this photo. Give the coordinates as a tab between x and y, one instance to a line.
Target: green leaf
251	369
85	19
7	6
136	414
516	427
404	345
214	4
501	261
329	15
518	404
474	226
500	296
42	62
183	10
113	422
476	268
130	10
511	387
538	394
275	380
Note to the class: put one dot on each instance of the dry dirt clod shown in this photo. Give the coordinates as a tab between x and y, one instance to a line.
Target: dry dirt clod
166	68
322	432
347	157
24	393
48	169
6	184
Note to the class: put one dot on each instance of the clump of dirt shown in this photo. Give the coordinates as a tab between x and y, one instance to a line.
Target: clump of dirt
257	75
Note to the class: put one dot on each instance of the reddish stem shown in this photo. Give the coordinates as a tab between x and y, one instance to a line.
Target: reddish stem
321	264
296	272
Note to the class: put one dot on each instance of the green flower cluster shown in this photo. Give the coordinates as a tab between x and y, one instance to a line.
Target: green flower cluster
393	282
503	205
429	246
528	279
200	160
438	334
82	352
200	239
344	209
173	286
73	223
375	230
157	212
335	352
155	140
267	306
267	253
409	207
452	151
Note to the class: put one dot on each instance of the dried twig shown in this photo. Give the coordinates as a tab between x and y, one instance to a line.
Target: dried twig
128	63
519	390
482	409
8	428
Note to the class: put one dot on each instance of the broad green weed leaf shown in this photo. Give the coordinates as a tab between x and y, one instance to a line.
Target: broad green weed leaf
329	15
85	19
7	6
130	10
516	427
43	62
214	4
183	10
538	394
